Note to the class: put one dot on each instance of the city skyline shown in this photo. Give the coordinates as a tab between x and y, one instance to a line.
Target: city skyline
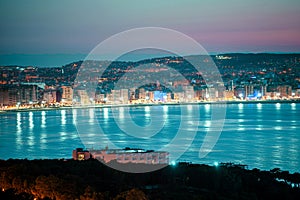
244	77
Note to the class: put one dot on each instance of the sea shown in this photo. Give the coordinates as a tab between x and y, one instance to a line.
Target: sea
259	135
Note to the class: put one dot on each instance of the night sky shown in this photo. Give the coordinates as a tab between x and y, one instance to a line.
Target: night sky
76	27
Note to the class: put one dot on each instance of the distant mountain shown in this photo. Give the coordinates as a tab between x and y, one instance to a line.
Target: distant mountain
59	60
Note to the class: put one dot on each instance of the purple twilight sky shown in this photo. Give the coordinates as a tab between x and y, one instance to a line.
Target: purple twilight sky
76	27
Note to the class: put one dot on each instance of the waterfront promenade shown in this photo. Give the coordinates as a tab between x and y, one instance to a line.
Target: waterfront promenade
58	107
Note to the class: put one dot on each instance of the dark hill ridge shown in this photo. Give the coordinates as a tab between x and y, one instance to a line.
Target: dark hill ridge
241	57
254	69
70	179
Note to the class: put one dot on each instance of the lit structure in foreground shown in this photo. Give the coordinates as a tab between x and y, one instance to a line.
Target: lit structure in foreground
123	156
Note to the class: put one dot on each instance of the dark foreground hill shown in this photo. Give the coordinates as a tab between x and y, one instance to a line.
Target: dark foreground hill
69	179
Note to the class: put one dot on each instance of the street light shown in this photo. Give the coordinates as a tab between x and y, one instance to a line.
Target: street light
259	95
277	94
241	95
293	94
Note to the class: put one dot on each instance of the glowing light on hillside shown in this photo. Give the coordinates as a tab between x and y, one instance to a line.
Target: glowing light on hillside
173	163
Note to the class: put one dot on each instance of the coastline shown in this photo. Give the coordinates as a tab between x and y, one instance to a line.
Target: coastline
152	104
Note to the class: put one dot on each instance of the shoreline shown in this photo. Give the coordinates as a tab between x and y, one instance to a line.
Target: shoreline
152	104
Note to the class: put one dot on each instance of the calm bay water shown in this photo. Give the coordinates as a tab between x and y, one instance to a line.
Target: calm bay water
264	136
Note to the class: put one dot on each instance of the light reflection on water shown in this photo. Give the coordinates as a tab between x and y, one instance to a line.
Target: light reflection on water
31	136
63	117
43	122
259	107
278	106
259	135
105	113
19	131
240	106
30	119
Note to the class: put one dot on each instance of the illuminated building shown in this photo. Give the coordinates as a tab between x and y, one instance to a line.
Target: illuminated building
49	96
142	93
127	155
10	95
67	94
80	154
83	96
285	90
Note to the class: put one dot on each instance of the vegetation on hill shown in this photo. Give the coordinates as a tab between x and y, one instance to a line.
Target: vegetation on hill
70	179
